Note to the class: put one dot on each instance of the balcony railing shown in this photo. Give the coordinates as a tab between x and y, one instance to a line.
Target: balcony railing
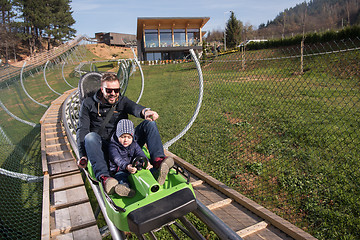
175	44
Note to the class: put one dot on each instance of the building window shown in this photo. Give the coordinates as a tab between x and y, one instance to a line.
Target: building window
178	55
151	38
179	37
165	38
165	56
193	37
152	56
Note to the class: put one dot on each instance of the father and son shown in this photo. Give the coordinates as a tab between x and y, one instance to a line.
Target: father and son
108	139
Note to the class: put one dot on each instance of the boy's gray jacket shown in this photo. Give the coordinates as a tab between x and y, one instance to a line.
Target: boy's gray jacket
93	113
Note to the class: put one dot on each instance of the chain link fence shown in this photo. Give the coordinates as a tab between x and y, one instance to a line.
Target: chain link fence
24	98
280	126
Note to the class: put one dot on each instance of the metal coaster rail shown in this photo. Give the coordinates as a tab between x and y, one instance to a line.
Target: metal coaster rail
214	199
42	58
229	214
70	118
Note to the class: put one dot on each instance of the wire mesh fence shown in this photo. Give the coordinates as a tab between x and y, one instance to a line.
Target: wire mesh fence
25	94
24	98
279	125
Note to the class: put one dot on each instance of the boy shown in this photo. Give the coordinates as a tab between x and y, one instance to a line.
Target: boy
122	149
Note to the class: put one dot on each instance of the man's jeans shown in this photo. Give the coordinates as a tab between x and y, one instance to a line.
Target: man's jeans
122	177
97	148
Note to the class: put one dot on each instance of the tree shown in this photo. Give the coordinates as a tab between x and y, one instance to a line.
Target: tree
215	35
61	20
34	17
7	35
51	19
30	21
321	15
233	31
248	32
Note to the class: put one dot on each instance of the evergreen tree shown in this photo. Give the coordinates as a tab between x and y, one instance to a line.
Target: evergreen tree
51	19
7	33
34	19
233	31
61	20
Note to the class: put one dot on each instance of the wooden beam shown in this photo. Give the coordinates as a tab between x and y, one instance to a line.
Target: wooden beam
58	144
252	229
219	204
172	34
61	161
64	174
55	138
45	226
57	152
64	230
66	187
54	132
158	30
43	151
69	204
144	35
197	183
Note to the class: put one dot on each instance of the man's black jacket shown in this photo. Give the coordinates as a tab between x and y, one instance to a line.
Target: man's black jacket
93	112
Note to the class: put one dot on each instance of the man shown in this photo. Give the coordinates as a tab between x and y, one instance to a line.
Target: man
98	117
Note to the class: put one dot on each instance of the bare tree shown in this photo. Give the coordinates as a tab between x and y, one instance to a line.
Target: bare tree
215	35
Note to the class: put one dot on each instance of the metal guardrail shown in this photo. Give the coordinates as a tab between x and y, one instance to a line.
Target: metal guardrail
70	116
70	119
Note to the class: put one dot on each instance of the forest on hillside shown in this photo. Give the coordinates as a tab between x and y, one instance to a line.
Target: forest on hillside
28	26
312	16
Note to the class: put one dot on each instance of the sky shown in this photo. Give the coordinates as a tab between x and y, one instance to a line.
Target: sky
120	16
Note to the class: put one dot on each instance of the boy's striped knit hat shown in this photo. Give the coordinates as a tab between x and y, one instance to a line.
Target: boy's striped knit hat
125	126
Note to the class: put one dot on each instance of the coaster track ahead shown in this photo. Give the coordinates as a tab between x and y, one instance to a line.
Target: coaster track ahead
229	214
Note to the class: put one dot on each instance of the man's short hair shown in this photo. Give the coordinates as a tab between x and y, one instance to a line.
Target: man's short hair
109	77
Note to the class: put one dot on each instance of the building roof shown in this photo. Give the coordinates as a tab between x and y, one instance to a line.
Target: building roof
114	33
169	23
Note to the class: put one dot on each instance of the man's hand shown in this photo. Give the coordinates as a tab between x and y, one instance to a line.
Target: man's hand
131	169
151	115
82	162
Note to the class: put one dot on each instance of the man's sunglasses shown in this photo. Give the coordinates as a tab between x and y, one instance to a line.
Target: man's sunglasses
110	90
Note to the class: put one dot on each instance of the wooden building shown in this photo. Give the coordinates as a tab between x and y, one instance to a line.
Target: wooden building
116	39
169	38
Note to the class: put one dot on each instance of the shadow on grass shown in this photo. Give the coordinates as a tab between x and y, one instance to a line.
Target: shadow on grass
20	208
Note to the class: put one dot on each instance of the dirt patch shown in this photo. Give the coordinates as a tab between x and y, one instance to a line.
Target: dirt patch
106	52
